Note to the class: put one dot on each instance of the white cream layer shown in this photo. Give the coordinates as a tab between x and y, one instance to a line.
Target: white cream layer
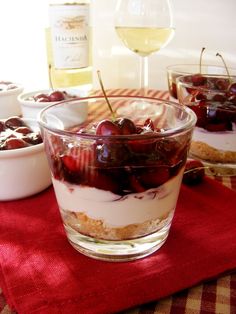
119	211
220	140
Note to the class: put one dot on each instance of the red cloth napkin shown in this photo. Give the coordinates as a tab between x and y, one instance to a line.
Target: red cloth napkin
41	272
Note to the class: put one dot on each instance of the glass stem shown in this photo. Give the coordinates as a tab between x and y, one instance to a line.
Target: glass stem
144	75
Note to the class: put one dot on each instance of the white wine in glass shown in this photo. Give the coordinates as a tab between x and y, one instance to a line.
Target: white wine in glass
144	26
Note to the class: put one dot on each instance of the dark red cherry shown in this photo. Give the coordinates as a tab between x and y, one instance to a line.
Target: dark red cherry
219	98
2	126
194	172
126	126
56	96
14	143
135	184
198	79
222	84
70	163
201	113
23	130
107	127
200	96
14	122
154	177
104	182
77	159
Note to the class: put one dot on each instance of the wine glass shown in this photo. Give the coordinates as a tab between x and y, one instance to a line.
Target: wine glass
144	26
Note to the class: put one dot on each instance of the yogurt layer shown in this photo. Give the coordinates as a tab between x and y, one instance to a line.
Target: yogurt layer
219	140
115	210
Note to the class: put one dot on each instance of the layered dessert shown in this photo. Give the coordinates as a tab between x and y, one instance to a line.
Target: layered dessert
213	99
117	180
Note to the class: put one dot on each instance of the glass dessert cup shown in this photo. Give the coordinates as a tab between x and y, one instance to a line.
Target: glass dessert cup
117	193
213	140
177	70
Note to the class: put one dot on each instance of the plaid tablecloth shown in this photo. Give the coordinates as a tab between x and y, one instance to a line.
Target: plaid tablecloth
217	296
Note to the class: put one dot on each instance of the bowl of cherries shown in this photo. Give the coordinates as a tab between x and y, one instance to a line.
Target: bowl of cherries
9	104
33	102
213	99
23	163
176	70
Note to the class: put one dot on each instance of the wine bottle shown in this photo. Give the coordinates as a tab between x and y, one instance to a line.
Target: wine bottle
68	42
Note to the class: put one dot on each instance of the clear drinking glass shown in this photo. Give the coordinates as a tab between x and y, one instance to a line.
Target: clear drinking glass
144	26
117	193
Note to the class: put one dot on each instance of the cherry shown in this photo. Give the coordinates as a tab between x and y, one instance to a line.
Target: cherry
77	159
126	126
219	97
14	123
194	172
222	84
112	154
56	96
142	146
155	176
198	79
23	129
70	163
200	96
107	128
2	126
103	181
14	143
201	112
135	184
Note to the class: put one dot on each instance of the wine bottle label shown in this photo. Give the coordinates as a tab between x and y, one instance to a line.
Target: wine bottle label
69	25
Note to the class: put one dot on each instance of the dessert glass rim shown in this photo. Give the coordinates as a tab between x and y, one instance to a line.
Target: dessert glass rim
179	80
189	123
172	67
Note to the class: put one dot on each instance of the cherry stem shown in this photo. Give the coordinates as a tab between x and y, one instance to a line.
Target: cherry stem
200	63
105	95
50	76
226	68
